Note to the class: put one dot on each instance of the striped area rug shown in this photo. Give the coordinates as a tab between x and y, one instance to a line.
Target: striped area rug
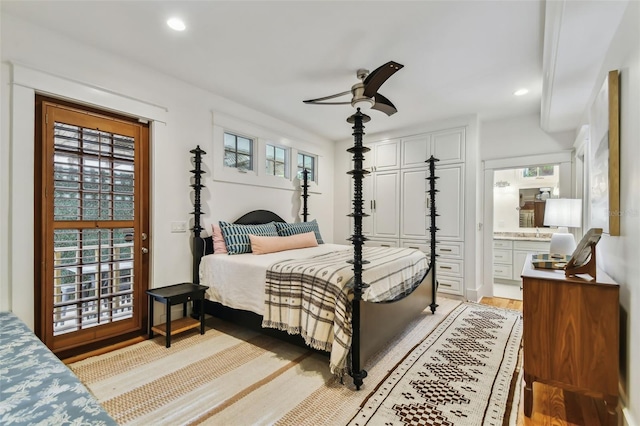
234	376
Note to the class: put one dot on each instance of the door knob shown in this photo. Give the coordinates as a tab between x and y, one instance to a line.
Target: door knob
145	250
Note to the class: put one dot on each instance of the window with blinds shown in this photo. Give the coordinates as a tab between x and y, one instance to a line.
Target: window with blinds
93	213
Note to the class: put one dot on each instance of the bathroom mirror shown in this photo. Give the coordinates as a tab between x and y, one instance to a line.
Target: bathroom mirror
531	206
519	197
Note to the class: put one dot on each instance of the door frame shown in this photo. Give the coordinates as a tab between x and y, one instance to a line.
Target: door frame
563	158
74	342
24	82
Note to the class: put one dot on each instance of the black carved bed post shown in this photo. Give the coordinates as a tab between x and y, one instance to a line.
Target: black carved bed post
305	194
432	229
197	186
357	240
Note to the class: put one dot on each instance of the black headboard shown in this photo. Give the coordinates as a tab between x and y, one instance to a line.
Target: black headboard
258	217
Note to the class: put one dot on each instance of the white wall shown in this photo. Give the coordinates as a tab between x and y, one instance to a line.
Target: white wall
187	122
520	136
618	256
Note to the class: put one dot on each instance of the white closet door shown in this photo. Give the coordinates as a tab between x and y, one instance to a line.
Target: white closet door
415	151
414	207
448	146
450	202
387	155
386	208
367	197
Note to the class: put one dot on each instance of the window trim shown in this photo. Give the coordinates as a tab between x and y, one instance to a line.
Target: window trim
262	136
252	150
315	165
287	160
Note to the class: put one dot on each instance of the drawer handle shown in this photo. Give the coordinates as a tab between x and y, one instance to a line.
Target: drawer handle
385	245
443	249
445	285
417	248
445	267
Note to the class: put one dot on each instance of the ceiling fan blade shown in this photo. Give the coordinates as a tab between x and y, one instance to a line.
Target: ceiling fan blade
383	104
328	103
377	77
337	95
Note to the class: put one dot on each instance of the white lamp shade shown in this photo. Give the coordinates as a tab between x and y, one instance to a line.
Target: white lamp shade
563	212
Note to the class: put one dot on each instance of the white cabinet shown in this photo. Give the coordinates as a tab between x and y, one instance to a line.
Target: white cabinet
381	243
414	213
502	259
396	199
446	145
381	194
520	251
509	256
384	155
450	202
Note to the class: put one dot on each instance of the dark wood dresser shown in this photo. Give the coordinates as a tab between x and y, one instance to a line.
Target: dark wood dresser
571	334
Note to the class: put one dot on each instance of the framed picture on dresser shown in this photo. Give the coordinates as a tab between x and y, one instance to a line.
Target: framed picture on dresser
604	157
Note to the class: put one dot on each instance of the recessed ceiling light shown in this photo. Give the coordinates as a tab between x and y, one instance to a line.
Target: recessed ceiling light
176	24
521	92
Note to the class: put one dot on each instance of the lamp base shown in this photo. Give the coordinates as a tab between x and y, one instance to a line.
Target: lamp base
562	243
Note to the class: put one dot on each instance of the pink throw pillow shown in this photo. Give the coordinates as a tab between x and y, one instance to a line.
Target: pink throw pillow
219	247
264	245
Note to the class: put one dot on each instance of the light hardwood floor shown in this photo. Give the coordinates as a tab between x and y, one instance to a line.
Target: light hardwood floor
553	406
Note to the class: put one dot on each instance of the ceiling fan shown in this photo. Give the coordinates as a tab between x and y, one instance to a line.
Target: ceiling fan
367	89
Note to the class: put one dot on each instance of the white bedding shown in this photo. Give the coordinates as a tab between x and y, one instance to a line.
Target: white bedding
238	280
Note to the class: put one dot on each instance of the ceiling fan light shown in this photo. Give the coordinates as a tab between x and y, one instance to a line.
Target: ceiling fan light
363	103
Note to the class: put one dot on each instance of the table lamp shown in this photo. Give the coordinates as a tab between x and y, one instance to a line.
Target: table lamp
564	213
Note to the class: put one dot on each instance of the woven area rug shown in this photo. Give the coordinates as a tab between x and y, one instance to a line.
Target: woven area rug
233	376
464	373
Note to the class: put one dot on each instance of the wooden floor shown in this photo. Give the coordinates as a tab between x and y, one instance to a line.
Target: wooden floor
553	406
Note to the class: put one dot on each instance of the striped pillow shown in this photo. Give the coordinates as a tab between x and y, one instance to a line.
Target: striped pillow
286	229
236	236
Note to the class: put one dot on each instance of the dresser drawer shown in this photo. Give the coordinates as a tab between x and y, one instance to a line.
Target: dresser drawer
502	244
502	256
444	249
422	246
502	271
381	243
449	267
449	284
449	249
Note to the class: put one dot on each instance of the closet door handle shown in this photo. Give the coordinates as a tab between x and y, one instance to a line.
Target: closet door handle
374	205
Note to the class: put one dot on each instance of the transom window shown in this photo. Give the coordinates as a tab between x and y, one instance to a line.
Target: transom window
276	161
238	151
308	162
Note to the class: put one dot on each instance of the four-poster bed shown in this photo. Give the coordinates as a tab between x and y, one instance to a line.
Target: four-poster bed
370	325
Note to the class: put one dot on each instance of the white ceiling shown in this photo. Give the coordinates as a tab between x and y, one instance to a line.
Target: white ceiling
460	57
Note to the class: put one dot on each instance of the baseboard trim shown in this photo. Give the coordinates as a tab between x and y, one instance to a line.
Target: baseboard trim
627	419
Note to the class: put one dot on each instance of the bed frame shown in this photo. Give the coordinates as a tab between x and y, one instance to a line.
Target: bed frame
374	324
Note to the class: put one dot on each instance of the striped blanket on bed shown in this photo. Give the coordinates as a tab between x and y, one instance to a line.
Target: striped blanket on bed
311	297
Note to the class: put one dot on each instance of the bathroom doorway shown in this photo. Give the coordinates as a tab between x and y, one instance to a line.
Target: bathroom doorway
519	198
516	191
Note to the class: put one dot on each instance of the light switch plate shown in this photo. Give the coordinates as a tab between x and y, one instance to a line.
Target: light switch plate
179	226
